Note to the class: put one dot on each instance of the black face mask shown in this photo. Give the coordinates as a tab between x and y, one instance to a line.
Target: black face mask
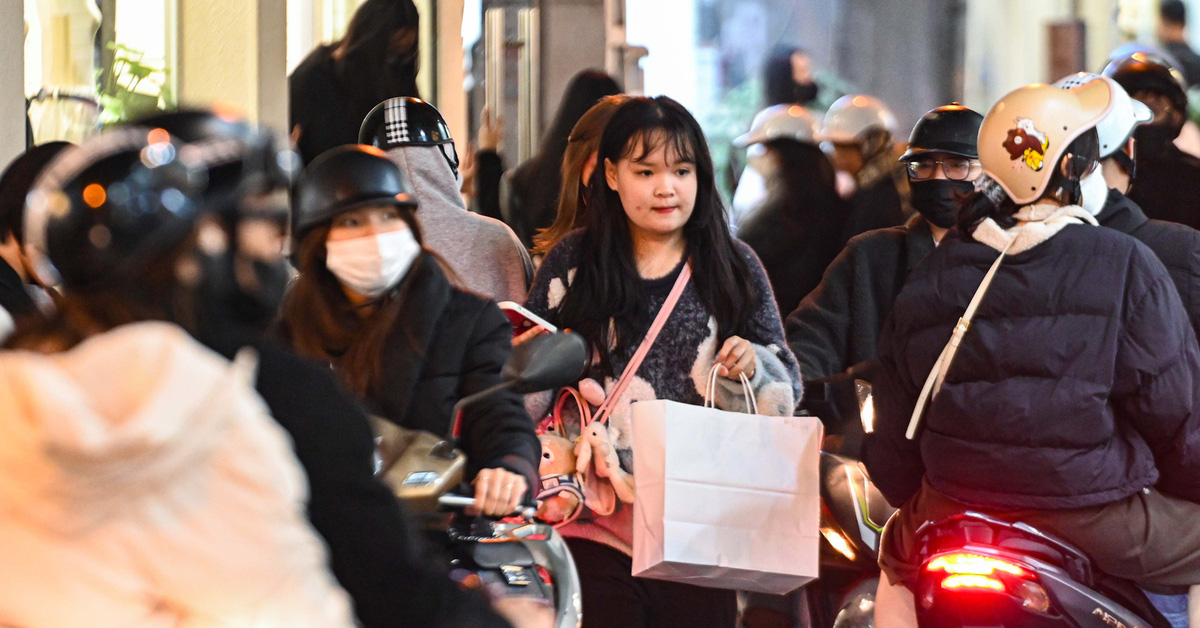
938	200
804	93
1152	139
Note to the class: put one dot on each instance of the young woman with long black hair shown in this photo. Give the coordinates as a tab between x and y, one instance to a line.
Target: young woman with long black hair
652	209
336	85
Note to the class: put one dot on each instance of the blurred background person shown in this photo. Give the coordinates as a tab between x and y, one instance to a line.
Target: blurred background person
860	130
797	230
528	200
1167	184
579	162
20	289
1172	34
788	77
1103	190
336	85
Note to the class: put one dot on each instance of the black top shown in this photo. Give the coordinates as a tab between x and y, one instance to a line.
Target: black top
795	245
13	296
1189	61
374	550
1073	387
837	325
876	206
322	107
1167	186
1177	247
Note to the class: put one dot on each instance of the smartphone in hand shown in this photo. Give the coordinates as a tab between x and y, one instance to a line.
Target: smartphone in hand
523	320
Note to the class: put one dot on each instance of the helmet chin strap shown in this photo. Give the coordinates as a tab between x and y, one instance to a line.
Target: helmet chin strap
453	162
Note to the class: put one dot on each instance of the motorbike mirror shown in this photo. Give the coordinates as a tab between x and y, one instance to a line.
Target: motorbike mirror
546	361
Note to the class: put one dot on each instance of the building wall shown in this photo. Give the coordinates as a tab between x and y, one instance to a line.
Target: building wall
12	74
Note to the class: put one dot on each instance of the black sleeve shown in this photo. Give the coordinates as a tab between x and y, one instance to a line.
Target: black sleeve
375	553
496	432
489	168
893	461
818	331
1157	379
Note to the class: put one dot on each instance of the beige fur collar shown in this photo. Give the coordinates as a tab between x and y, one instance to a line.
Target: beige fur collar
1037	223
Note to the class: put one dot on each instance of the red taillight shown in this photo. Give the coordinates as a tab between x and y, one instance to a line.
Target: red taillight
969	581
544	574
974	565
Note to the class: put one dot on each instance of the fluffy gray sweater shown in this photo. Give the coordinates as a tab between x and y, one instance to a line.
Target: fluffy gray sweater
676	368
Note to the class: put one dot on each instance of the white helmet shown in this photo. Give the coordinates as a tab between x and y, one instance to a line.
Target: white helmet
791	122
1125	116
850	117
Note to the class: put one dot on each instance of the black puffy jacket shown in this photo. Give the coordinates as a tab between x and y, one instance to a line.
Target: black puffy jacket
1177	246
1077	384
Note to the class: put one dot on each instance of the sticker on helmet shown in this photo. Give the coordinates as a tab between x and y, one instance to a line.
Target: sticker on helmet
395	120
1027	143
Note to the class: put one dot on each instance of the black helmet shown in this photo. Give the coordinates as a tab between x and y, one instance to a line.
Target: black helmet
244	281
241	159
408	121
343	179
404	122
1142	71
952	129
103	212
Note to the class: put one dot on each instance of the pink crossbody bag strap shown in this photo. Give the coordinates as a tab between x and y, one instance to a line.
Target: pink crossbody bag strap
660	320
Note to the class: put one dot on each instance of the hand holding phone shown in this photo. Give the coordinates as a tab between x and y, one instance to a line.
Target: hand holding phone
523	321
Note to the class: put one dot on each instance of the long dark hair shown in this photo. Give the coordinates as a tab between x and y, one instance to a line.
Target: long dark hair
778	85
379	55
583	142
805	182
1084	152
607	285
320	322
539	178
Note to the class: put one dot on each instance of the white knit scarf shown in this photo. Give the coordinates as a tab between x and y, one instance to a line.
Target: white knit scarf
1036	224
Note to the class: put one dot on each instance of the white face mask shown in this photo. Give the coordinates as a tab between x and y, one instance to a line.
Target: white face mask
370	265
1095	192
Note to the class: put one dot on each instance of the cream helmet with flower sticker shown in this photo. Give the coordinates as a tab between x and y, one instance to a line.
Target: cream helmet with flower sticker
1025	134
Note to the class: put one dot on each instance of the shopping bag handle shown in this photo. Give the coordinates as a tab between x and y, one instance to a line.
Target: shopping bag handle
710	391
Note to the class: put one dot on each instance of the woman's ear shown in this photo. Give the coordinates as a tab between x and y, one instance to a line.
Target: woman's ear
1066	166
610	174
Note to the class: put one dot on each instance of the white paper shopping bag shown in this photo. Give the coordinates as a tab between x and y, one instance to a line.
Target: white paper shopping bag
724	499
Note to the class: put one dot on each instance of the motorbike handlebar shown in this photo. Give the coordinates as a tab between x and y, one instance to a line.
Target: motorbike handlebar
460	502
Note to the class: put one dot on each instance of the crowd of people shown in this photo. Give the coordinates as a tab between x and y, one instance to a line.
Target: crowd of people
198	336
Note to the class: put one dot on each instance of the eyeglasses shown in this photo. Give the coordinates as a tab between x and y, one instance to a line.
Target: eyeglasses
956	168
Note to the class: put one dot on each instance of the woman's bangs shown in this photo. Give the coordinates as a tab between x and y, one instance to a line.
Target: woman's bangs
680	147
